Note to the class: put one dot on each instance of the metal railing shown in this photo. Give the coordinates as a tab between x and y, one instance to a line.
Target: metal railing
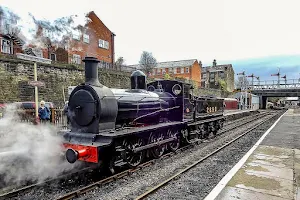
275	84
58	119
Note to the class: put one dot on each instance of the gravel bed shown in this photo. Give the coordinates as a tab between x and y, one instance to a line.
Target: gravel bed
130	187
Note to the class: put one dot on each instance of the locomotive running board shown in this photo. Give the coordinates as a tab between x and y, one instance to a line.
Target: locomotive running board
148	146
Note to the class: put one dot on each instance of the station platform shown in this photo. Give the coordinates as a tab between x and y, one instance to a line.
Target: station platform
270	170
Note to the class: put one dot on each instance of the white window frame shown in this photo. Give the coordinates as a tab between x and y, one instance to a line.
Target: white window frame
182	70
175	70
76	59
6	48
86	38
187	70
103	44
76	35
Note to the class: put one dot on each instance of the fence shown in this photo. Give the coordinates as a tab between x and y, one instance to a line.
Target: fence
57	117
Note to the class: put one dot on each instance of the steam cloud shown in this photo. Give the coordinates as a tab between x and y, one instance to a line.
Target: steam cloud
56	32
29	152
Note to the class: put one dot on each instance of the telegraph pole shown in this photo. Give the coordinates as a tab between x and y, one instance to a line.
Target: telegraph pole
278	75
243	88
284	77
252	77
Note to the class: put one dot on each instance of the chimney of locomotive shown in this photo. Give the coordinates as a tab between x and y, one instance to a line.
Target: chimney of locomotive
91	71
138	80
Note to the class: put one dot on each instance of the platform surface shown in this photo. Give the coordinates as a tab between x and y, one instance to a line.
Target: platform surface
273	169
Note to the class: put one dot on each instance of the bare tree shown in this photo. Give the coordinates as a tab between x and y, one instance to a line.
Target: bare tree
147	62
241	82
120	62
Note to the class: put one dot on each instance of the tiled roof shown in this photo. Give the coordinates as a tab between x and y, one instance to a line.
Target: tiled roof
179	63
215	69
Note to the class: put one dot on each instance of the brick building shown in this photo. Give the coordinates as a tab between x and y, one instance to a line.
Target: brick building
190	70
211	75
92	39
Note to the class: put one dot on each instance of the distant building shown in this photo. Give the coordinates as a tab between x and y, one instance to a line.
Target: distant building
211	75
190	70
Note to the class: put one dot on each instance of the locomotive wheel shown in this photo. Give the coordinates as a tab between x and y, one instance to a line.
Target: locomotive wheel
158	151
174	145
201	130
133	159
186	136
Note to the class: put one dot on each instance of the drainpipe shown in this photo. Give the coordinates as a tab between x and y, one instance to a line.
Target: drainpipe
113	49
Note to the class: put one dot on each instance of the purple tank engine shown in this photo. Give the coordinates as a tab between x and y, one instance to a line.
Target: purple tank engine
117	127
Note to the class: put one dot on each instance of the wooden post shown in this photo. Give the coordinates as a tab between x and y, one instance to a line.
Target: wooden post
53	115
36	92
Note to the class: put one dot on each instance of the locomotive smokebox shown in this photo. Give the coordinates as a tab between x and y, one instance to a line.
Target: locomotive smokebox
138	80
91	71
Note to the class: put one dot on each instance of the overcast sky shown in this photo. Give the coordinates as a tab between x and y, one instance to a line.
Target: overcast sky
174	30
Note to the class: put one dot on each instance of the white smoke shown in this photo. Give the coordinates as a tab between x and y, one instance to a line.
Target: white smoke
29	152
58	31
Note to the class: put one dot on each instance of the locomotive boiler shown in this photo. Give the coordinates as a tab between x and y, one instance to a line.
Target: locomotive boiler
116	127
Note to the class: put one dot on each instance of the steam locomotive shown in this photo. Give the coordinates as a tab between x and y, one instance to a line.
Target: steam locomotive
117	127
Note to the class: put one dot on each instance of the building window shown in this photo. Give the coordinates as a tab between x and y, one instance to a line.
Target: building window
76	35
103	44
222	75
187	70
5	46
182	70
86	38
53	56
170	70
163	71
76	59
153	71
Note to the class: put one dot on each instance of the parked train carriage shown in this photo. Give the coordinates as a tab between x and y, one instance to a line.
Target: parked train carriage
231	103
116	127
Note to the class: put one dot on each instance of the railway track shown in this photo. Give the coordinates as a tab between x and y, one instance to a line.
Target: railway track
83	190
76	193
162	184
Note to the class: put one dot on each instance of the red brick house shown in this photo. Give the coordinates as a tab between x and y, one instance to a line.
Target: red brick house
190	70
97	41
93	39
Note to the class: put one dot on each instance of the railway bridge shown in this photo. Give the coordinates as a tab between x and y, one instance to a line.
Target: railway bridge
280	88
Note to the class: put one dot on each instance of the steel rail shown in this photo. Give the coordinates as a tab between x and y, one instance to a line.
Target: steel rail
83	190
28	187
142	196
